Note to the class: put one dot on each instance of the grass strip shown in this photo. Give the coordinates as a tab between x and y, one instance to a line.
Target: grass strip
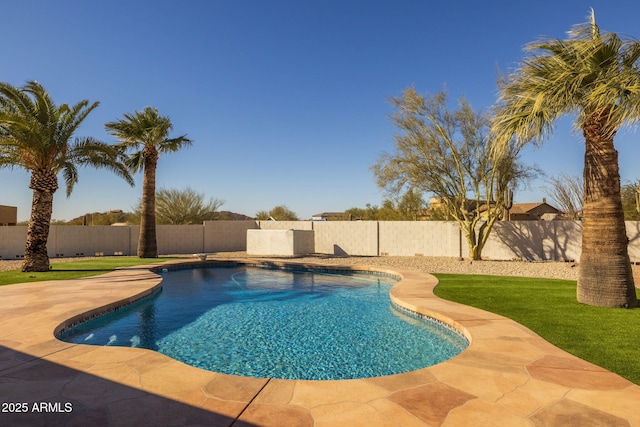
76	269
604	336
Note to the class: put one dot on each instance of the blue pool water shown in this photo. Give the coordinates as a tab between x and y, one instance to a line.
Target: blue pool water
276	323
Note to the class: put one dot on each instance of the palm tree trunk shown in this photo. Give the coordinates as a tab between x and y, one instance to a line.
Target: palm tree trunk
605	278
147	244
36	258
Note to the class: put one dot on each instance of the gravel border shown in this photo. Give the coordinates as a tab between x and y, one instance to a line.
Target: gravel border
16	264
449	265
555	270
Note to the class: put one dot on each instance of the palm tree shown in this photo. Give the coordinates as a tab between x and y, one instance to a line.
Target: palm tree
35	134
596	77
146	134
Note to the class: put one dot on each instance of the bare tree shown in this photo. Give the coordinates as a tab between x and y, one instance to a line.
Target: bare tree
567	193
411	205
183	207
630	193
448	154
279	213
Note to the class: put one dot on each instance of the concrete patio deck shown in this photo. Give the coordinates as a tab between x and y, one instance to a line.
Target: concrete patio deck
508	376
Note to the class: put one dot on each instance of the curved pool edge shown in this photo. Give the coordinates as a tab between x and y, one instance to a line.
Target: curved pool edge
445	324
104	309
506	373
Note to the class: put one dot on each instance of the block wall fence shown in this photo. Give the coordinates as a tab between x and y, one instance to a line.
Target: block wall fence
526	240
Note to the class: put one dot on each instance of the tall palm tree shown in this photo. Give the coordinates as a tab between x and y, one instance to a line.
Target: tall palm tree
596	77
146	134
35	134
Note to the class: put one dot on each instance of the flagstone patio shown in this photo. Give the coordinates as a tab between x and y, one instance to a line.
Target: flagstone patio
508	376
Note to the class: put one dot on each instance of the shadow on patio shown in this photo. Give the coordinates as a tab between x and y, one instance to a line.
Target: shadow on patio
37	392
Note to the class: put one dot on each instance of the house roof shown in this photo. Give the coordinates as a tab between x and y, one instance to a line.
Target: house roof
528	207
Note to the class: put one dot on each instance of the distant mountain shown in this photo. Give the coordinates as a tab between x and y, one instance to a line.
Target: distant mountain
103	218
120	217
232	216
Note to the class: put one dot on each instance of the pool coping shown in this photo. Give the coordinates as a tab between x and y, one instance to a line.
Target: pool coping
507	376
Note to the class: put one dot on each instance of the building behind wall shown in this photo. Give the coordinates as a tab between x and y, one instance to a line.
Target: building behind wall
533	211
8	215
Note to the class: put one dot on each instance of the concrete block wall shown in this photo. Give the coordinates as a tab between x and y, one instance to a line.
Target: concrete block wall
428	238
227	236
179	239
280	242
346	237
212	236
12	240
134	236
514	240
335	237
303	242
66	241
529	240
567	243
285	225
533	241
633	234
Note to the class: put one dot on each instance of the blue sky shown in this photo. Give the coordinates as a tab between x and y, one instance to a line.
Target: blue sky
286	101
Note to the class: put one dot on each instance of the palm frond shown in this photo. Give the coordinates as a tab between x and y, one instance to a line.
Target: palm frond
135	161
46	110
16	101
71	118
70	174
589	72
35	134
97	154
142	131
174	144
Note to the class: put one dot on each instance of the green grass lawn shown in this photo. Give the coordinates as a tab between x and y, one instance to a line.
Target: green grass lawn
76	269
607	337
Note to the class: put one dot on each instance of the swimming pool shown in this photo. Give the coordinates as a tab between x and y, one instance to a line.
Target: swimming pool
276	323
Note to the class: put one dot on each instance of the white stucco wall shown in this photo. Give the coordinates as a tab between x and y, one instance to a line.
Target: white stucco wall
528	240
280	242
